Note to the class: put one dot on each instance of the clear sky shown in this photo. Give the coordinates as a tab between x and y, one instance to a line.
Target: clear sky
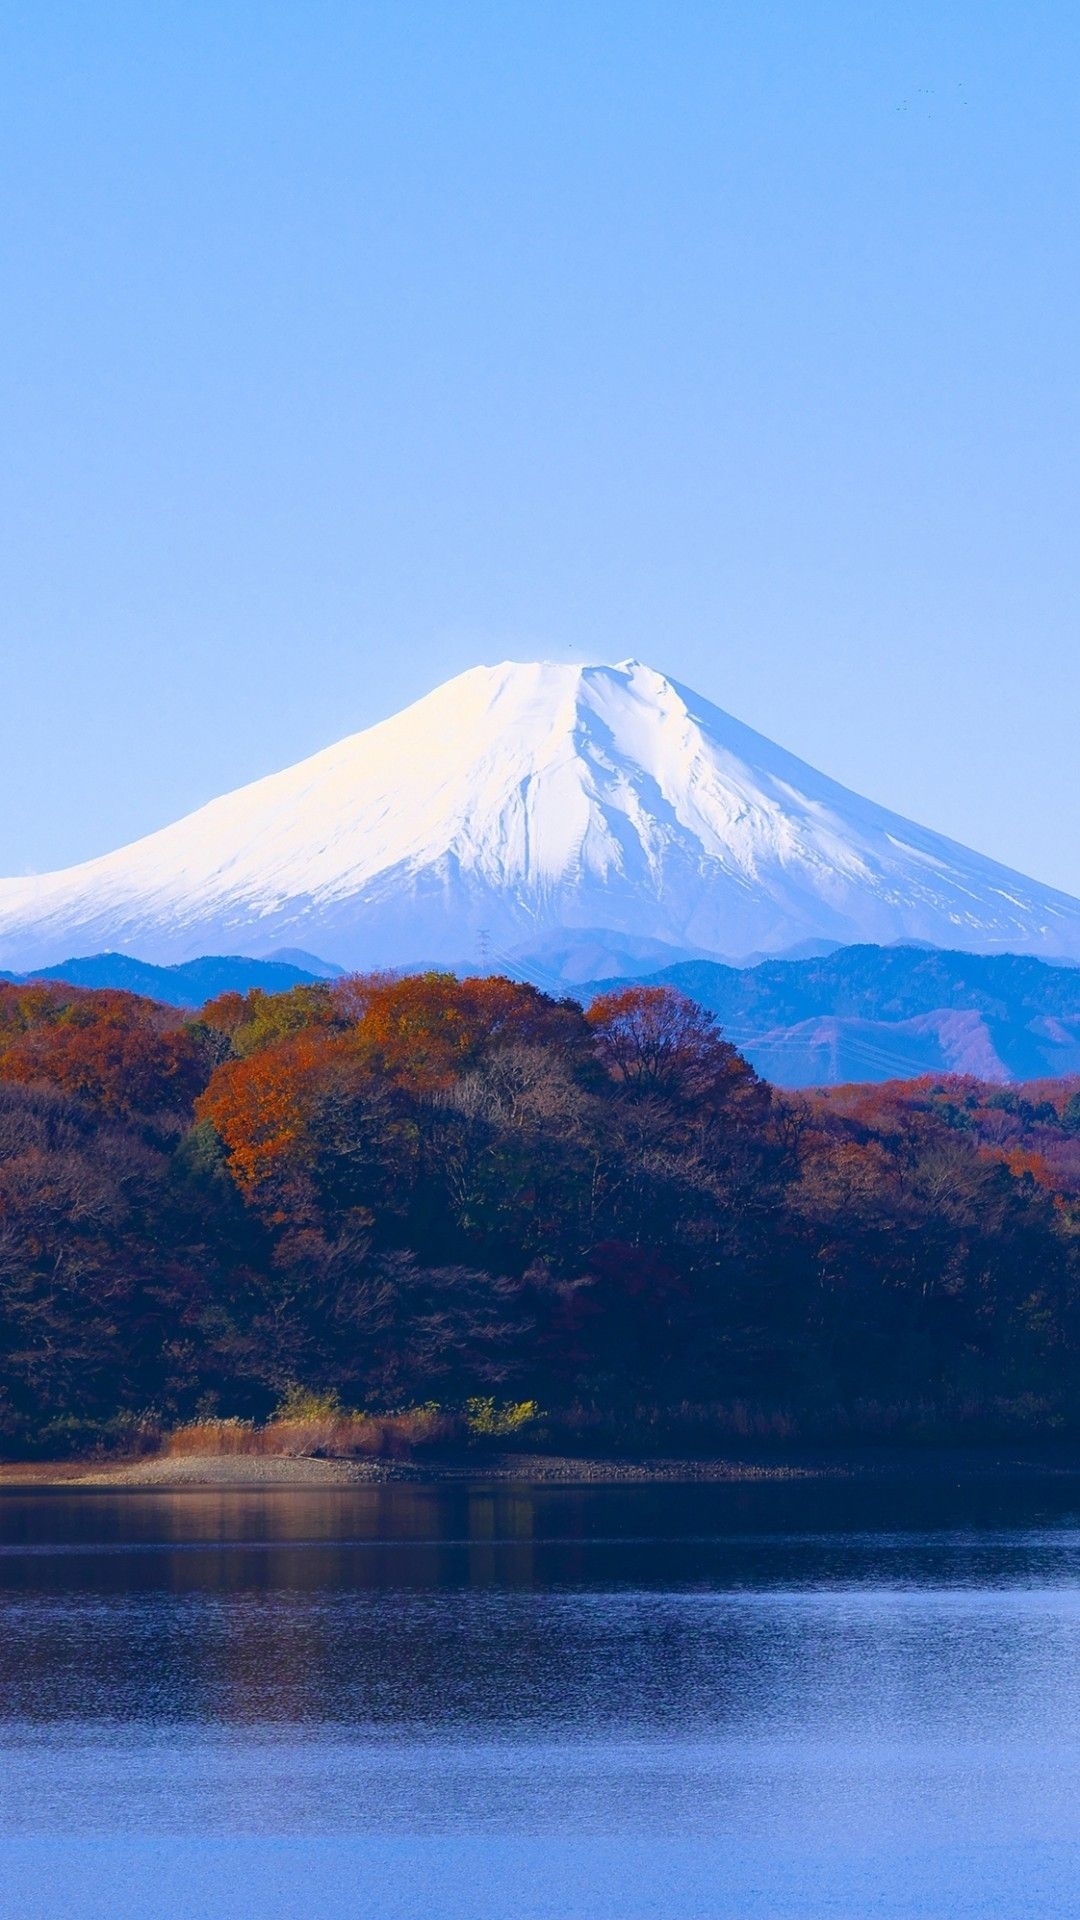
345	346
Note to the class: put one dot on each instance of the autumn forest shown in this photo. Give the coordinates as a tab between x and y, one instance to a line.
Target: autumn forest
399	1191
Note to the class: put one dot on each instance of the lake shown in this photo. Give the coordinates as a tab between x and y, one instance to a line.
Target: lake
764	1699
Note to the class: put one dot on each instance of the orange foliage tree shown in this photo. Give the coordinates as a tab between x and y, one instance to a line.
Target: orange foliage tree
261	1106
426	1029
123	1054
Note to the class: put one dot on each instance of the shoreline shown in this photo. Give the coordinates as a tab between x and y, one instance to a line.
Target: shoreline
256	1472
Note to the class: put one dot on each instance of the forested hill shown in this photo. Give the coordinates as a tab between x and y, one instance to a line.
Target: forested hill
423	1189
878	1013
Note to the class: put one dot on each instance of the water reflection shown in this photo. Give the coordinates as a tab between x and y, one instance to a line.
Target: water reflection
772	1667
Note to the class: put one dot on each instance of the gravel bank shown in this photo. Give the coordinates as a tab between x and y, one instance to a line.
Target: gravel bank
270	1470
233	1470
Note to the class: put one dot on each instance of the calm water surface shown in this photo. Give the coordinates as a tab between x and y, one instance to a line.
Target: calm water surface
772	1700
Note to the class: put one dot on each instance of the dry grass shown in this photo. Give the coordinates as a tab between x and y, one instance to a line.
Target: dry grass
212	1436
329	1435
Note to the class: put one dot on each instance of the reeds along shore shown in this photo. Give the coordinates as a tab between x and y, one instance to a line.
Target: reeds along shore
420	1195
337	1437
326	1431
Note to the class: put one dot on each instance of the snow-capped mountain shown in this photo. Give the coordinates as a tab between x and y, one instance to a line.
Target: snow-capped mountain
520	800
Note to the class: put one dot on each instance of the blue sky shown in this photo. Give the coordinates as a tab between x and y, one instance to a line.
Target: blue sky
347	345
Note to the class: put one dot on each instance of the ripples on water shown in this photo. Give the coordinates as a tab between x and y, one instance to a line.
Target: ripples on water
769	1700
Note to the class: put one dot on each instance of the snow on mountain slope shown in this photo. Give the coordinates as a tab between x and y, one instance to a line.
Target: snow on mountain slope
520	799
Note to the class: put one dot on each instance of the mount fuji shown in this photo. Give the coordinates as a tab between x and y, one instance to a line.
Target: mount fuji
518	803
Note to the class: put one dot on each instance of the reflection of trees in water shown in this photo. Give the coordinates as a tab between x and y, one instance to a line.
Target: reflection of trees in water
478	1606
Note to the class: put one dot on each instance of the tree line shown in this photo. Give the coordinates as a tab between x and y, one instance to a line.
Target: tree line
402	1190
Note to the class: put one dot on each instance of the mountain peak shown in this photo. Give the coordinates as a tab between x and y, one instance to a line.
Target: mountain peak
523	798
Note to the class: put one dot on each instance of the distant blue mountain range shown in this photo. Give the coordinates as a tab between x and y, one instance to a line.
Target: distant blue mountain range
188	985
